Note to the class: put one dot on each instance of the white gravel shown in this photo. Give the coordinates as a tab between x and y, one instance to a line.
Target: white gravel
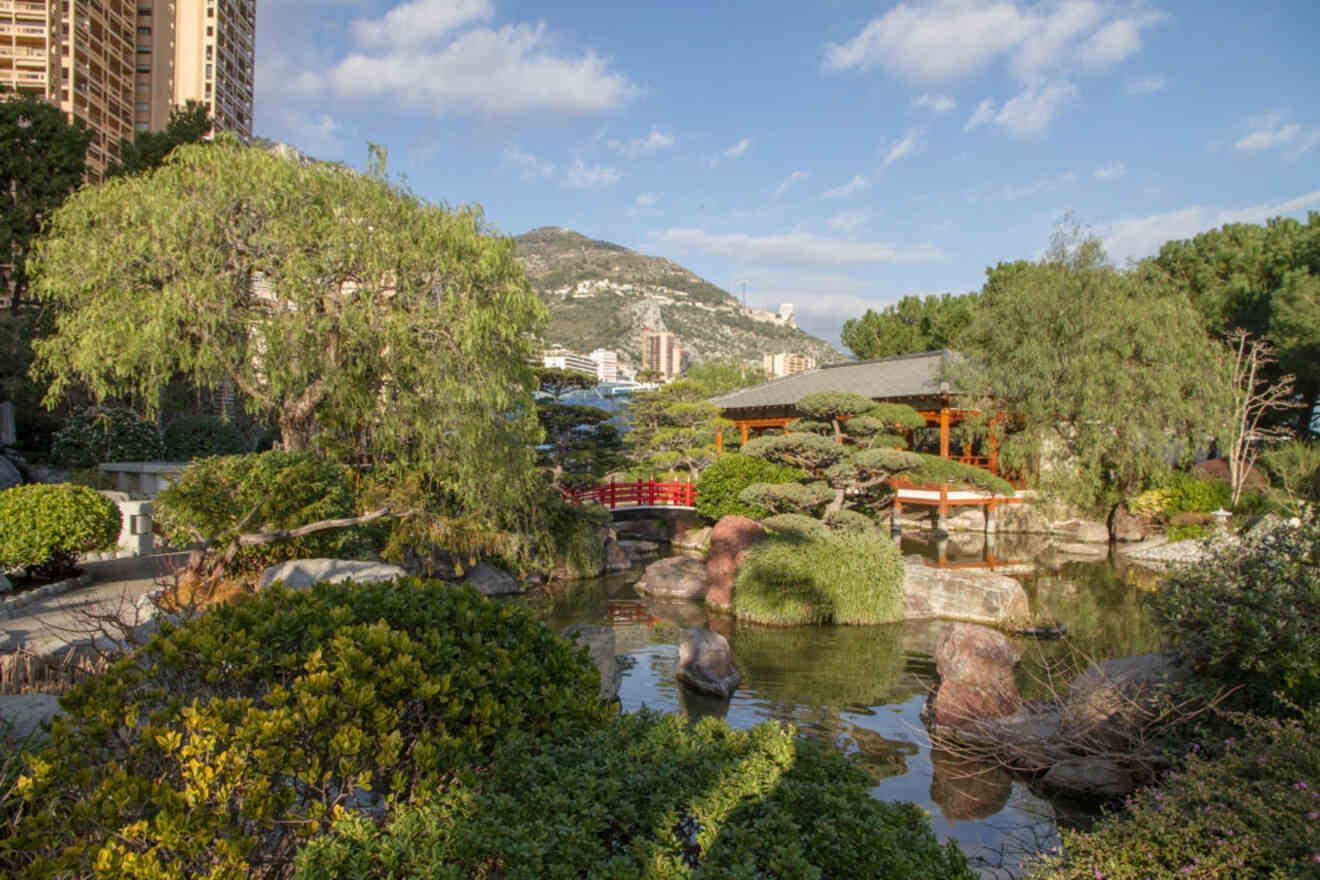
1190	550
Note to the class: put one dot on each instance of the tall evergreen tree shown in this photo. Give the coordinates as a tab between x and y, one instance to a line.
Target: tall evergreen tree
188	124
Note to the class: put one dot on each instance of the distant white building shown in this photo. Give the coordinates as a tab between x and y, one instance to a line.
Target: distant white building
563	359
607	364
786	363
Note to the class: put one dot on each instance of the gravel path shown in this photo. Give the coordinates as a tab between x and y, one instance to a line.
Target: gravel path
1190	550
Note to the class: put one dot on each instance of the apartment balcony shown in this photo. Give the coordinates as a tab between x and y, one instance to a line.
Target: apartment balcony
23	30
24	8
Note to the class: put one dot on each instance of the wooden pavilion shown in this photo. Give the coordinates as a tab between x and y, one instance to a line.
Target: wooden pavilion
912	379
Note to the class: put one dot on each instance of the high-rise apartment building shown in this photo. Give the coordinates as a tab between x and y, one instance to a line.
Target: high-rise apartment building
563	359
121	66
662	353
607	364
786	364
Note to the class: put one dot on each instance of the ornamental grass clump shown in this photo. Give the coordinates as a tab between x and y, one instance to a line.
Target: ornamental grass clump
1249	812
651	796
227	742
44	527
800	575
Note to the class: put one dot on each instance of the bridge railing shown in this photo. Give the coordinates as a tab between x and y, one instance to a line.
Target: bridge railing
641	493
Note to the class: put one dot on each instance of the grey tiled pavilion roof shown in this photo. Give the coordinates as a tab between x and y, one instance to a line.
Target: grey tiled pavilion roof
902	376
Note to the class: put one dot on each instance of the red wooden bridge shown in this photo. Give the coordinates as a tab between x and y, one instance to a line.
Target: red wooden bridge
630	496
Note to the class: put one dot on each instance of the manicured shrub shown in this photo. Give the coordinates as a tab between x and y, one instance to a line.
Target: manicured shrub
723	481
652	796
945	470
228	741
1189	494
833	577
215	499
797	525
44	527
101	434
788	497
1249	614
189	437
1251	812
850	521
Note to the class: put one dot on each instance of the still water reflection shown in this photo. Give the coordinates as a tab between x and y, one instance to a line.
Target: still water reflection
861	689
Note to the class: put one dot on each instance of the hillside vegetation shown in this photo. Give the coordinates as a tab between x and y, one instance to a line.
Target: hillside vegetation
602	295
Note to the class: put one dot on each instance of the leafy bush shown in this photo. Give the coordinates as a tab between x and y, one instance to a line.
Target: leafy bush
1187	531
575	531
232	738
1250	813
189	437
797	524
44	527
1295	468
1152	502
850	521
788	497
1250	613
945	470
215	499
652	796
821	578
722	482
1189	494
100	434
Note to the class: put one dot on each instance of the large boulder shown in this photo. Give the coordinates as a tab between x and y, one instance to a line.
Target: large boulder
705	663
600	644
693	539
9	475
1093	778
975	669
1083	531
617	557
678	577
730	540
22	715
1126	526
298	574
492	581
962	594
1108	704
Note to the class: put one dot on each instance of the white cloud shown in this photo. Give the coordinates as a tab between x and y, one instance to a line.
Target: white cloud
904	146
654	142
1147	85
797	248
1112	171
846	221
411	24
1267	138
1136	237
507	72
1016	192
941	40
1030	113
738	149
646	200
938	103
529	166
582	176
847	190
789	181
316	134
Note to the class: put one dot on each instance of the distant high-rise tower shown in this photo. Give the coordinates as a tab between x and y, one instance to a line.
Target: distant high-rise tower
662	353
121	66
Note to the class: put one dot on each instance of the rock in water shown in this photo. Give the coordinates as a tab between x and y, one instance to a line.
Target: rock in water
978	596
975	668
298	574
705	663
678	577
1108	704
617	557
492	581
1095	778
730	540
600	644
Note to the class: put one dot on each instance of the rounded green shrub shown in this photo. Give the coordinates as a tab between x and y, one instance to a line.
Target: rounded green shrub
1249	613
189	437
945	470
227	742
850	521
1248	812
215	499
651	796
101	434
723	481
43	527
796	525
833	577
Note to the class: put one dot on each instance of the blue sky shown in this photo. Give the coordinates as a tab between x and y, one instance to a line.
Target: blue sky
837	155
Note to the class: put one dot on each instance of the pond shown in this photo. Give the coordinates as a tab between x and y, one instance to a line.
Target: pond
862	689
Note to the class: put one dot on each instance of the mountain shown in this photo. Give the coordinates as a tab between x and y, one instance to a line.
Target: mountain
602	295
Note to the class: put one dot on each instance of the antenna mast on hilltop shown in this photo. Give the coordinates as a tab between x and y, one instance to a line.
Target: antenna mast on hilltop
743	282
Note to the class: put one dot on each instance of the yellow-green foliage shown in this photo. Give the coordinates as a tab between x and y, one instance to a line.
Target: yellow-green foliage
652	796
232	739
800	577
1152	502
49	525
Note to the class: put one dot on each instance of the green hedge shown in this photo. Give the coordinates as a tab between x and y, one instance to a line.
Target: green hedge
101	434
719	485
652	796
44	527
189	437
945	470
213	496
1251	812
230	740
803	577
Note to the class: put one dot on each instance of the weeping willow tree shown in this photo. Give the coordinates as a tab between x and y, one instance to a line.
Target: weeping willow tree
361	320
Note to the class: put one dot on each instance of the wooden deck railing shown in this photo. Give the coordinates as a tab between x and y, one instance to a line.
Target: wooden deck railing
642	493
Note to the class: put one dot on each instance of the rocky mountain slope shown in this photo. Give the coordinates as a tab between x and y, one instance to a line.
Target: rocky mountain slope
602	295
